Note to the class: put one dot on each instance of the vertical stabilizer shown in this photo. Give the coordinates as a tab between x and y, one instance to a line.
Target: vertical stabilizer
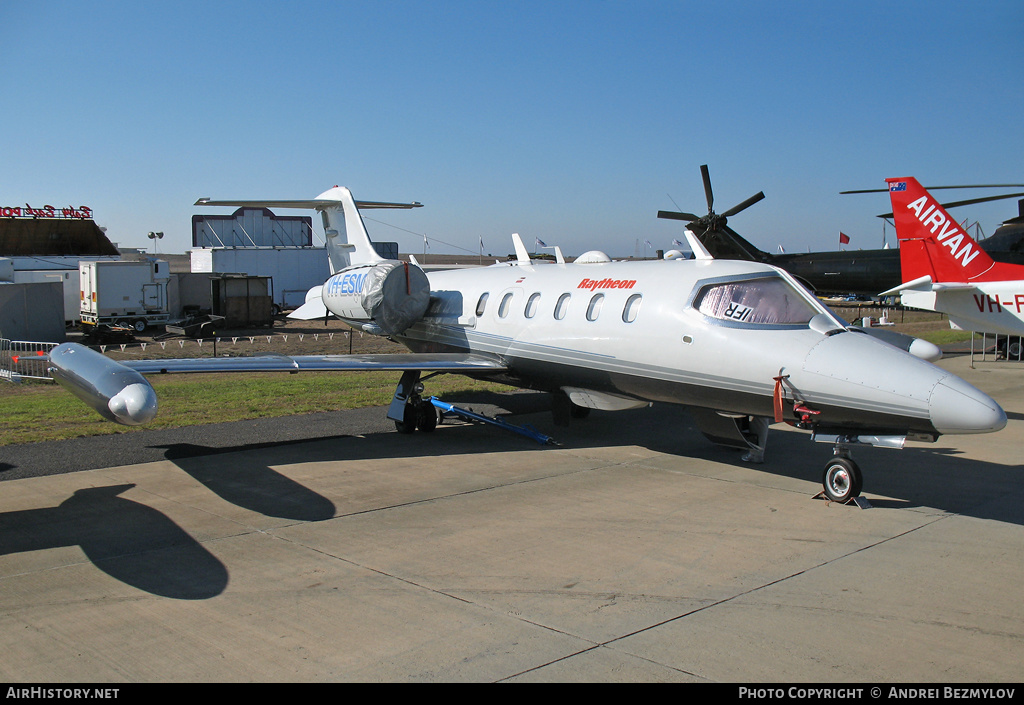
931	242
347	240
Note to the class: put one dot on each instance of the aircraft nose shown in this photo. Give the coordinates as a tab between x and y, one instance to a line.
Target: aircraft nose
957	407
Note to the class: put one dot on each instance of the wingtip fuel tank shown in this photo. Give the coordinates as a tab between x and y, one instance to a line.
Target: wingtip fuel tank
116	392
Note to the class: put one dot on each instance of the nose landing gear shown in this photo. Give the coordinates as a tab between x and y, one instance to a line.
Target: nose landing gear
842	479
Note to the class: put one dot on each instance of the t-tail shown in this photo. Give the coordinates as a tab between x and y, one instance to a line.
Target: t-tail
933	246
347	240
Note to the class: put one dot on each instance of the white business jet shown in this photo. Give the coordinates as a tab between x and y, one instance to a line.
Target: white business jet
737	342
945	270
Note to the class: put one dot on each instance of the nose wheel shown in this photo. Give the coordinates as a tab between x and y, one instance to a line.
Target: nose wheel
842	479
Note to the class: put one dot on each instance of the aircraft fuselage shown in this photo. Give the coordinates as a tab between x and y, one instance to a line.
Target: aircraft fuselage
711	334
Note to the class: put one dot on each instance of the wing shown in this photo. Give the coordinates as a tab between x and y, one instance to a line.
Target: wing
120	393
437	362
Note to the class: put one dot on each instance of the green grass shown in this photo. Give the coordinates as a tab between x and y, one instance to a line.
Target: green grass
43	411
944	337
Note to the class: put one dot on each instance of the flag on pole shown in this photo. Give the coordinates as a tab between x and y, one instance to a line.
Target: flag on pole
541	243
844	239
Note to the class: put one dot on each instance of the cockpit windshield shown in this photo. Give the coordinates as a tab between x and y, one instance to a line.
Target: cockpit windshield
758	301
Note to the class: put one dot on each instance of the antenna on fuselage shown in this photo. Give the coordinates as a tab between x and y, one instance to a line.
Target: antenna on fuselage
522	256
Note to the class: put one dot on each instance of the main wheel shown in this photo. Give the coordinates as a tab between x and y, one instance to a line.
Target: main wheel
842	480
408	422
426	416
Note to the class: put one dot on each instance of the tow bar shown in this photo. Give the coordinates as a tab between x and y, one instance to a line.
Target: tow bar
525	430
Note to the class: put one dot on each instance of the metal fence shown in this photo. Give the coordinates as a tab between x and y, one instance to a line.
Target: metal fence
996	347
24	359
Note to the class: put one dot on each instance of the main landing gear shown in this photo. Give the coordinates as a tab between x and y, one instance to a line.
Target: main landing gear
412	412
408	409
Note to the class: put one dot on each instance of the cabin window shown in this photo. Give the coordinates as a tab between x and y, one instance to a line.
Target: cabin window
632	308
763	301
562	306
594	309
481	304
531	305
506	300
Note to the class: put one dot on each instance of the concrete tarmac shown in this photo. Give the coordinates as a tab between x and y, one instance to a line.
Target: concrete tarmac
634	551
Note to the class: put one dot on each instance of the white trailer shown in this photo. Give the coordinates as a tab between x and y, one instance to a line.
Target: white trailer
128	294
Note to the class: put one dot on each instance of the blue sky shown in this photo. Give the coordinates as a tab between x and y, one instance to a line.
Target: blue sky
572	122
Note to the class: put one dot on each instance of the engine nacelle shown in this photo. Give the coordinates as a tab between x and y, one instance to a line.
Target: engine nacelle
391	294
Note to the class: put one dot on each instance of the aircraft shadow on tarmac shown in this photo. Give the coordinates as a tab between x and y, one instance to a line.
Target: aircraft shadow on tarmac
146	549
257	488
142	548
921	475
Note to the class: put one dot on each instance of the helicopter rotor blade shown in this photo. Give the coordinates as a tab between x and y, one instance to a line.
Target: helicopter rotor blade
743	206
970	201
935	188
706	176
674	215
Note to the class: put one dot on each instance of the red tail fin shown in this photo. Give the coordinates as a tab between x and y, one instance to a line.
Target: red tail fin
931	242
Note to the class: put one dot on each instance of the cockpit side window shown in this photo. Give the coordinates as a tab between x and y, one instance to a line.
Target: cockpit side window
762	301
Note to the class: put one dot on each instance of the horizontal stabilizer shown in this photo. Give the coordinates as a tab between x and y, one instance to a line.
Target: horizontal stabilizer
925	283
313	308
314	204
310	311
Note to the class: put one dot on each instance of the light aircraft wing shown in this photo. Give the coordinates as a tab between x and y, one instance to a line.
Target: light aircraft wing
441	362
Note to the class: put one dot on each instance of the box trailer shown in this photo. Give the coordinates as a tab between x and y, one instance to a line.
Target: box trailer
128	294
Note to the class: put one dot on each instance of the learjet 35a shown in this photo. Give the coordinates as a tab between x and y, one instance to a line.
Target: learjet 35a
739	343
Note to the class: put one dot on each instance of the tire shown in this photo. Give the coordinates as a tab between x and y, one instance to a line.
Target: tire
408	422
426	417
842	480
139	325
